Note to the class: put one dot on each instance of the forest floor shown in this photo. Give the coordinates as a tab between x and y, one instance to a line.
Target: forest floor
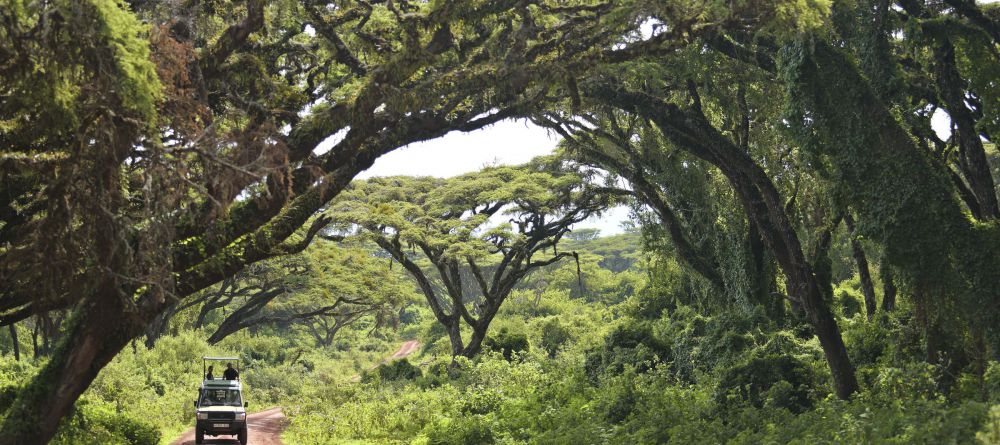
266	426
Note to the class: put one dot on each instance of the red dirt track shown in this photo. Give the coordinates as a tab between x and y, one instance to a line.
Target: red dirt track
264	428
404	350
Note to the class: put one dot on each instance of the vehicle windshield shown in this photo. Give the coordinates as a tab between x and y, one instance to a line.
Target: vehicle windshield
220	397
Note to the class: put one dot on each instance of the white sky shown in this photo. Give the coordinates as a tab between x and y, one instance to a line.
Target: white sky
504	143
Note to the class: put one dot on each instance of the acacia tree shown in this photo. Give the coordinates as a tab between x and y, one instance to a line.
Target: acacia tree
321	290
702	102
860	83
143	163
452	224
687	201
928	202
690	130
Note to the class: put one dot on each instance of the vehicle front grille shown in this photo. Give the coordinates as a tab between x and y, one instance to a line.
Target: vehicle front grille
221	416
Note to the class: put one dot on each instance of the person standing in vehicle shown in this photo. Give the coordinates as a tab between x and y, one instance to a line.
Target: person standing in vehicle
209	376
230	373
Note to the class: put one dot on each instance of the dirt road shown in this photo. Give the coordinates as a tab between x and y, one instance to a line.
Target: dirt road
408	347
264	428
405	349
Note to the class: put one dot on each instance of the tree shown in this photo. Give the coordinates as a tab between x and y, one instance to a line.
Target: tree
144	163
153	149
584	234
689	129
323	289
859	82
451	223
867	287
687	119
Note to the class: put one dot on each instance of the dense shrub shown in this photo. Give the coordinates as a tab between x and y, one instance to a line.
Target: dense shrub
992	382
393	371
7	395
98	423
460	431
867	342
622	403
554	336
990	434
778	379
848	301
507	342
630	344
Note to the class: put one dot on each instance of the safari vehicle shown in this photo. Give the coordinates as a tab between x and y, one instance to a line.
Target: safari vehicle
220	409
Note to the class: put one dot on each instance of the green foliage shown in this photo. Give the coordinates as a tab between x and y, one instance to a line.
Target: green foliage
554	336
779	380
125	35
393	371
688	340
508	342
848	301
544	400
617	253
460	431
99	423
991	428
629	345
992	381
904	199
867	343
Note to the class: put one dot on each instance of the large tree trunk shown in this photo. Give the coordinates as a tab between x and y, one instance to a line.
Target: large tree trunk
475	345
867	287
924	319
16	344
888	287
482	326
46	330
159	326
35	352
691	131
455	337
203	312
912	207
763	276
247	316
96	335
972	155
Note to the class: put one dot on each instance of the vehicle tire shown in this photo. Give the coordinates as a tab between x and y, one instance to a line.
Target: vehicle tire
243	436
199	436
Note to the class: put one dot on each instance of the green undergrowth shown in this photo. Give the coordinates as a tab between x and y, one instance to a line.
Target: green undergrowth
593	374
144	396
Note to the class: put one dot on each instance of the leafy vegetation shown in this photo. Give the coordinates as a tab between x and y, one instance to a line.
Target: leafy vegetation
812	257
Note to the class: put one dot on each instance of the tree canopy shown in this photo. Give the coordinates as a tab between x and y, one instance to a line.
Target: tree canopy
151	150
458	227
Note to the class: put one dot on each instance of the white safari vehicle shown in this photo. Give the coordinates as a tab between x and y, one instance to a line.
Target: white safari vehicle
220	409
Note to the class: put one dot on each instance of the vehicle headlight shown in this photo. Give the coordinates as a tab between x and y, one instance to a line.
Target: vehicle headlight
242	417
202	416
